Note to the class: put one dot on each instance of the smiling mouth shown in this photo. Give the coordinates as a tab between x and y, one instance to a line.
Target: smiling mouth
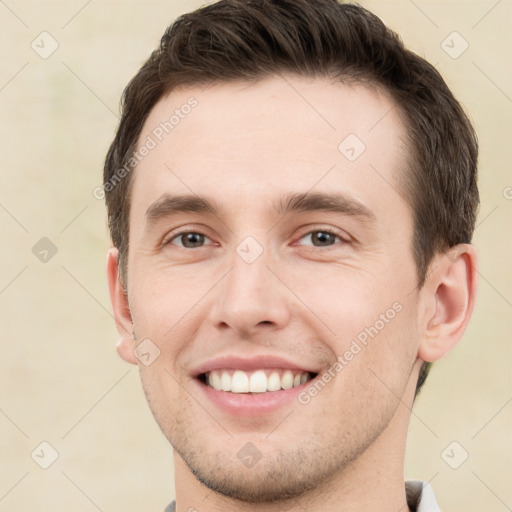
258	381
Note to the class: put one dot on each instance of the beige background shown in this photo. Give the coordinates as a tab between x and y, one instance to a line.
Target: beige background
61	379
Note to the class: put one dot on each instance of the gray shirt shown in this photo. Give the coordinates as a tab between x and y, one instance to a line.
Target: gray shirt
420	497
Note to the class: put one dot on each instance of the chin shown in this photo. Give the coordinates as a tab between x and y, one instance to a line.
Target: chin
285	477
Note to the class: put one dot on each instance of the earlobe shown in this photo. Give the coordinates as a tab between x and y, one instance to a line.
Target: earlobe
449	298
125	349
121	309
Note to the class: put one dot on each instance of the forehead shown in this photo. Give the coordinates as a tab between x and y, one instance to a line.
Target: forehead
253	141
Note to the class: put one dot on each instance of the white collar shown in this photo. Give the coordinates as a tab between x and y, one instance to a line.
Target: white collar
420	496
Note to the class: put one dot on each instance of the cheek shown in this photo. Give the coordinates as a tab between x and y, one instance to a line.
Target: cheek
162	301
378	357
349	299
369	319
164	319
164	395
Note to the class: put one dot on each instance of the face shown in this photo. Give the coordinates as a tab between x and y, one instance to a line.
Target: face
270	270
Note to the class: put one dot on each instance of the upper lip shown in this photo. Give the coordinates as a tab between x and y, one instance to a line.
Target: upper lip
258	362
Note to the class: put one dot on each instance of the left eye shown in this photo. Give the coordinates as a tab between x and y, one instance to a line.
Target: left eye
189	240
320	238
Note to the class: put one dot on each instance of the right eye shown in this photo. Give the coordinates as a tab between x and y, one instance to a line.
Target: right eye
189	239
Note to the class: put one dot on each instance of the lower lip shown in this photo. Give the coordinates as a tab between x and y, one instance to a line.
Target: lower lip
251	404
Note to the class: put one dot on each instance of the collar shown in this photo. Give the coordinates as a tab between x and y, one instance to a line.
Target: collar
420	496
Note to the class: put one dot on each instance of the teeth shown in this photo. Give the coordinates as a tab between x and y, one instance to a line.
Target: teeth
215	381
225	382
240	382
259	381
274	382
287	380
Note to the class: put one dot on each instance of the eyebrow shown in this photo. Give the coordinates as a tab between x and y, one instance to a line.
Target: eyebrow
319	201
168	205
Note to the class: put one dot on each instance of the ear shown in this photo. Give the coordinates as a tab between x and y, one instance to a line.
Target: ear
122	315
448	302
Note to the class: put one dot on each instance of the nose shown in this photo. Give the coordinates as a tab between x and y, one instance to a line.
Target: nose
250	298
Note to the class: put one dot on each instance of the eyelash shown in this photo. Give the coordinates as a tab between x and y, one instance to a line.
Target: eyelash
174	236
329	231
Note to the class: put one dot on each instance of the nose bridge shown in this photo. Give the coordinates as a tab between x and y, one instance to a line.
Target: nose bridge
250	296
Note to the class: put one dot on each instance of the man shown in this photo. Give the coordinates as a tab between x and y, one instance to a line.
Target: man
291	196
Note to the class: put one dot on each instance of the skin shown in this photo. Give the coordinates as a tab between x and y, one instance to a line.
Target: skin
243	147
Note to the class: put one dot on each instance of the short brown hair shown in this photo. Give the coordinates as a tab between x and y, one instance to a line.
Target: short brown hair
245	40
